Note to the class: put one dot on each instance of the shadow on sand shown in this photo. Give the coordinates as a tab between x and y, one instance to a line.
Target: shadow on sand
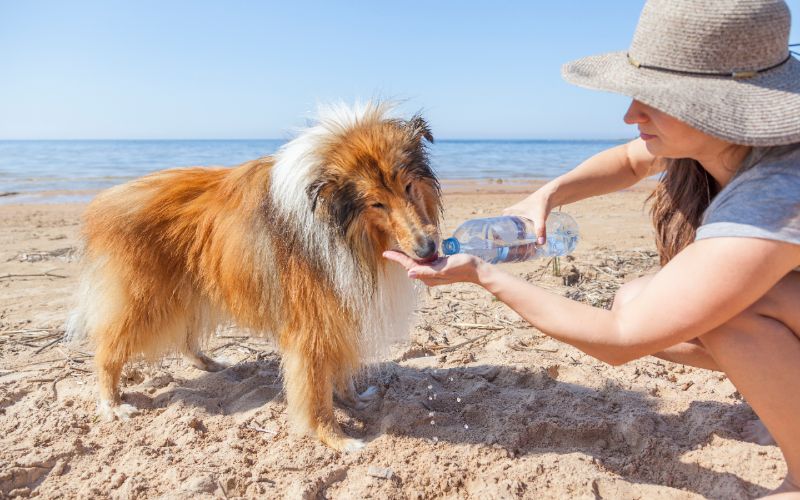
525	411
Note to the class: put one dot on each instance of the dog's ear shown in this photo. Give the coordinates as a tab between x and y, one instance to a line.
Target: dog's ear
420	128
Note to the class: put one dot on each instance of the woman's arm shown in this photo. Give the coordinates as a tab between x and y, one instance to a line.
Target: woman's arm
608	171
704	286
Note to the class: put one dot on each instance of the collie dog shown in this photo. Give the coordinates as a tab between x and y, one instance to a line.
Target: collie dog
287	246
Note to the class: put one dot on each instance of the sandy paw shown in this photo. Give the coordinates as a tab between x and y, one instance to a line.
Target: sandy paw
109	411
366	398
370	394
203	362
352	445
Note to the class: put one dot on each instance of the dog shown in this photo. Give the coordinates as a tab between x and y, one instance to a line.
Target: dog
287	245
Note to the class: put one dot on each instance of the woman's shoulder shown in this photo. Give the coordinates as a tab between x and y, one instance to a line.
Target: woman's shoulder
776	169
762	201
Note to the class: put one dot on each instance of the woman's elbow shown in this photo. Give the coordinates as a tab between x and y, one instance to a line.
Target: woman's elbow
620	359
623	348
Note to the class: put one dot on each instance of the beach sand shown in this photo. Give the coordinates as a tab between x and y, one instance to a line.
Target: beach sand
478	404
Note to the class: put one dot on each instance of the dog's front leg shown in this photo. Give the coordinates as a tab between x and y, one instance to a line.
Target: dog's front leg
308	379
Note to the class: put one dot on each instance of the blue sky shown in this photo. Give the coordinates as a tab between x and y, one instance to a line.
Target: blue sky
150	69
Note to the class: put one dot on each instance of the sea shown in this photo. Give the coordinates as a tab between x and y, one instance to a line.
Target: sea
63	171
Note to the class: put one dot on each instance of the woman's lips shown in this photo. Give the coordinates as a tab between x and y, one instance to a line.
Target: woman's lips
646	137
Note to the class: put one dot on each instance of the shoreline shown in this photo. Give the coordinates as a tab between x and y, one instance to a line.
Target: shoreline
488	185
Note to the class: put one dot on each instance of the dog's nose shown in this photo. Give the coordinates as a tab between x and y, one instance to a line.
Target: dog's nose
425	249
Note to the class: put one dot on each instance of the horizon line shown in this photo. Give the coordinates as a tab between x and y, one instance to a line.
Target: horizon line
447	139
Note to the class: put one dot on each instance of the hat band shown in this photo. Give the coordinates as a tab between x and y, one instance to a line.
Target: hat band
732	74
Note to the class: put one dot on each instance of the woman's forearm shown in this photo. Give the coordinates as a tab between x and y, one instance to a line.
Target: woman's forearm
590	329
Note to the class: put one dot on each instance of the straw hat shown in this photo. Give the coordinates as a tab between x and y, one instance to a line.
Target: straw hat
722	66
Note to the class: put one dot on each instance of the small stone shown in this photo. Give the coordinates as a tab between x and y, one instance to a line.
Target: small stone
380	472
430	398
433	422
200	484
117	480
466	426
430	414
435	439
430	387
458	400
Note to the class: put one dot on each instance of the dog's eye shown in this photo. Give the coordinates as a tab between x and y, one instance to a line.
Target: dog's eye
408	189
379	206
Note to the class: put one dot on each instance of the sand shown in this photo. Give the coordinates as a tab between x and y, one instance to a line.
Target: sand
478	404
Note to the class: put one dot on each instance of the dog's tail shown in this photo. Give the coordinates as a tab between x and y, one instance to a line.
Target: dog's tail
90	301
76	329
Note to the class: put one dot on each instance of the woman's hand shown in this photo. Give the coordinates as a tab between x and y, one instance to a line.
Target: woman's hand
442	271
535	207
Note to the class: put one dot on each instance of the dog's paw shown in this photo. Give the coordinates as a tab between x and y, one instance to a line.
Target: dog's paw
203	362
215	365
356	401
352	445
109	411
369	395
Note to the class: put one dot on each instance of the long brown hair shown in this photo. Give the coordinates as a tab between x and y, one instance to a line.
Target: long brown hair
678	202
684	193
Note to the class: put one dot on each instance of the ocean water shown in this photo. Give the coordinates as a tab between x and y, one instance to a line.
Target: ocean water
34	169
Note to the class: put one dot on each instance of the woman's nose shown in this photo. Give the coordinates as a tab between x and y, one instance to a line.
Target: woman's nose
636	113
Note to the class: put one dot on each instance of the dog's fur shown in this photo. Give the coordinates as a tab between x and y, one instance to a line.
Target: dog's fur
288	245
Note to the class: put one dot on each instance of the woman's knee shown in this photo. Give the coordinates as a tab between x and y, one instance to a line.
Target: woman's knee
773	316
754	326
629	290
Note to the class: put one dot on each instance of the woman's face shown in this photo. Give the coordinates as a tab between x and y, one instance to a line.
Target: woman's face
668	137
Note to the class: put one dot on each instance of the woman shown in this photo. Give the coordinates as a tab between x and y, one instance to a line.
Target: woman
716	98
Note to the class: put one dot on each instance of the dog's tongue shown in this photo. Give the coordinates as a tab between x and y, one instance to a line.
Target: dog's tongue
428	260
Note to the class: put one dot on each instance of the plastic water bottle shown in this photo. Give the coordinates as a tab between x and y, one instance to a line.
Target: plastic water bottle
512	238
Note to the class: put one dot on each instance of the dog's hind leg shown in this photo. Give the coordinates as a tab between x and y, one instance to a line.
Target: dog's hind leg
111	355
195	331
198	358
309	393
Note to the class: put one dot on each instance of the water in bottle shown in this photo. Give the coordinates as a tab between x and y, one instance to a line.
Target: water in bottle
512	238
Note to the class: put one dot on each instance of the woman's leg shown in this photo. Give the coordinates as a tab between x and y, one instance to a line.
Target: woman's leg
690	353
759	350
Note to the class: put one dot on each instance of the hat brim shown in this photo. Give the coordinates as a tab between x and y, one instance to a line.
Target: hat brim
760	111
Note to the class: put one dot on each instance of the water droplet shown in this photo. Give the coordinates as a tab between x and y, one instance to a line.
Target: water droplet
458	400
430	387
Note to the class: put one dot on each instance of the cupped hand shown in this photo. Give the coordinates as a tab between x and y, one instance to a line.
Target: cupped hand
457	268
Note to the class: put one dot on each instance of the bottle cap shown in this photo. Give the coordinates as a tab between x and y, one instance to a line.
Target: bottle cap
451	246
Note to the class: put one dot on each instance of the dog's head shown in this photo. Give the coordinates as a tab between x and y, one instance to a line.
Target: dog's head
376	187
